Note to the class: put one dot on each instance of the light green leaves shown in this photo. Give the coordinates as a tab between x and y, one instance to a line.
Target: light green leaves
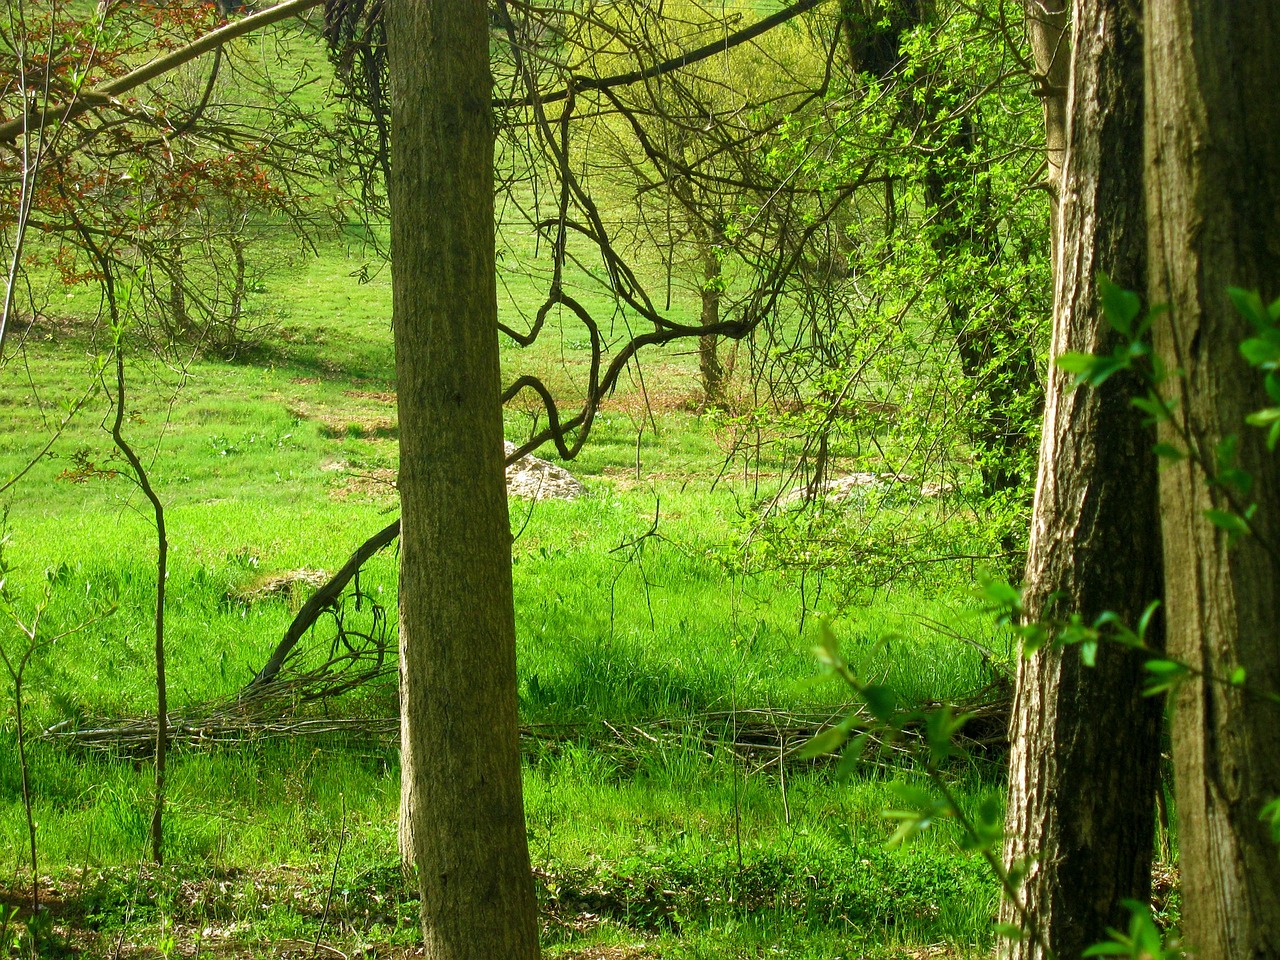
1166	676
1142	941
1271	816
1262	351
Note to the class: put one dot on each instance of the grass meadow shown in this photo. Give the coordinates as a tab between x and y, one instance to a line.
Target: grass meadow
650	635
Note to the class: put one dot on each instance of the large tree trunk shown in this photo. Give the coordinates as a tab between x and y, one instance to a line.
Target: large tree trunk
1213	193
462	811
1085	760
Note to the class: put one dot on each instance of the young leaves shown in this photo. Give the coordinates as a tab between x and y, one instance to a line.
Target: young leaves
1262	351
1141	942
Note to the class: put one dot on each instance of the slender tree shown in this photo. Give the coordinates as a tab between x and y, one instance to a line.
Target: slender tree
1085	756
462	812
1213	195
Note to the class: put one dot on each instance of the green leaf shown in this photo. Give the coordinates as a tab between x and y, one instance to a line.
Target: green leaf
912	796
1103	369
1144	622
940	728
1235	479
1165	668
1166	675
1262	352
1033	636
1232	523
1226	451
1272	383
851	757
1167	451
1109	949
1089	653
988	827
828	741
1083	365
881	701
827	649
912	823
1271	816
1154	407
1010	931
1002	598
1237	677
1249	305
1018	870
1120	307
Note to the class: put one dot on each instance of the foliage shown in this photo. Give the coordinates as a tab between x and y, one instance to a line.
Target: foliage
1123	310
917	358
616	635
172	194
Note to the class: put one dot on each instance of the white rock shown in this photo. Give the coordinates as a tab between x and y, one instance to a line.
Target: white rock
536	479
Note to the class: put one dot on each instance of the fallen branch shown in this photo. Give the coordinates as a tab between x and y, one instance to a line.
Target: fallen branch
323	599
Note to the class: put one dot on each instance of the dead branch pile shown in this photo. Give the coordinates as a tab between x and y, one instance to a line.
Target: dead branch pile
759	739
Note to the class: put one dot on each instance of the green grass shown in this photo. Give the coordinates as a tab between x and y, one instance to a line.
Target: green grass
261	475
682	853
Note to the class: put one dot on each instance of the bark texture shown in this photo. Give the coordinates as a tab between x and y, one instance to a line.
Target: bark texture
1085	757
1213	192
462	813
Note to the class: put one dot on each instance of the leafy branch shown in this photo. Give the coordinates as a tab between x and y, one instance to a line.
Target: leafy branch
1122	309
883	719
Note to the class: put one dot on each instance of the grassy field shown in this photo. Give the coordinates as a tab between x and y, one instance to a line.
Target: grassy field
645	650
671	849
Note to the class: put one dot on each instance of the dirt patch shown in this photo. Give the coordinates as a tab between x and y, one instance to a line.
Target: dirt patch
624	478
341	424
378	484
290	585
358	427
655	401
382	396
51	328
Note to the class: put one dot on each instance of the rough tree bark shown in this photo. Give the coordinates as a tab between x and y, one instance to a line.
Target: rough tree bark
462	813
1085	757
1213	194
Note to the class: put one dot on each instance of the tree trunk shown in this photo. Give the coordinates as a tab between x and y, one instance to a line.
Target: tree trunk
1213	194
1047	30
1085	757
710	239
462	812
